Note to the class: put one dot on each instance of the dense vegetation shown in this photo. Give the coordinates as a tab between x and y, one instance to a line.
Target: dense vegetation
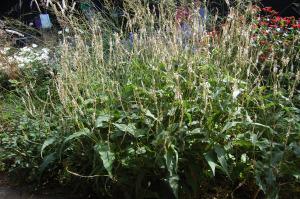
161	115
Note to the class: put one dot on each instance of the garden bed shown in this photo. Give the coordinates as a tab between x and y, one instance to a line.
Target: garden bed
165	115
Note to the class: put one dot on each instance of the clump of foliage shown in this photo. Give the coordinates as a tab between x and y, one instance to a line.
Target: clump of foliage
156	117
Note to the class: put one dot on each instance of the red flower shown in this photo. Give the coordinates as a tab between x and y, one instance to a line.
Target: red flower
273	26
276	19
267	9
296	26
263	23
287	20
270	11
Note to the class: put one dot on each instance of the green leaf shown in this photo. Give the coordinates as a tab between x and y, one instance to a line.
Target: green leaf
130	128
171	159
295	148
270	177
211	160
244	158
46	161
264	144
229	125
262	125
149	114
141	150
253	138
88	101
84	131
242	143
196	131
221	155
48	142
106	155
260	183
276	157
173	183
297	175
101	119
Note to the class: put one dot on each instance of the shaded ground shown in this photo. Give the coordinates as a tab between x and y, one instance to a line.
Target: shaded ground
10	192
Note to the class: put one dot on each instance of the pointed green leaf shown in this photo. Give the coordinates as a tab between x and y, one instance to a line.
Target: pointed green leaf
46	161
229	125
173	183
211	160
48	142
171	159
195	132
106	155
221	155
84	131
149	114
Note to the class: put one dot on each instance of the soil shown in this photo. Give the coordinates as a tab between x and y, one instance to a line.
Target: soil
8	191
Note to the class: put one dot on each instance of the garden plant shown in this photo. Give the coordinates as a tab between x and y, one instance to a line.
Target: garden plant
160	115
